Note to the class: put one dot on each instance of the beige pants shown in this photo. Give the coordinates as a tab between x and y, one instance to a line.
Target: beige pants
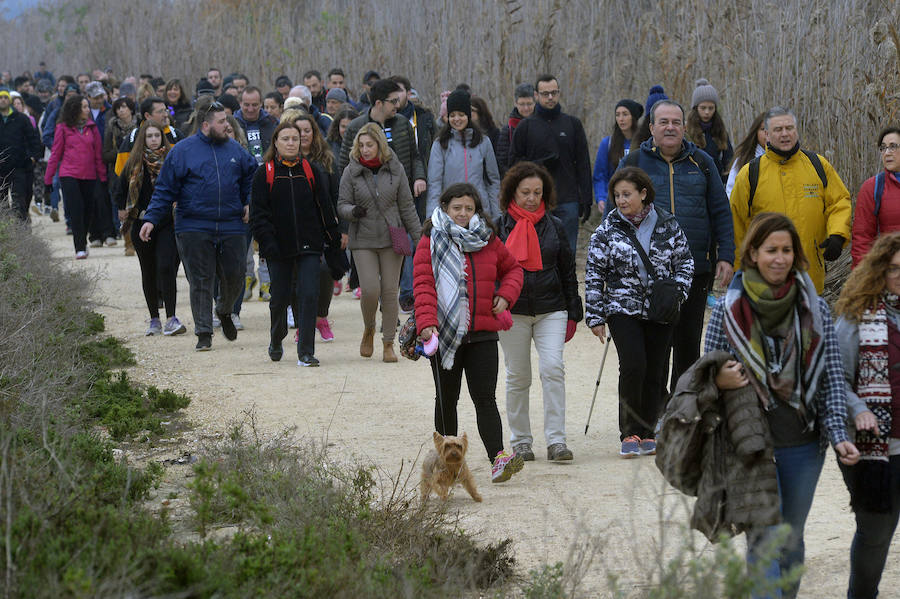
379	279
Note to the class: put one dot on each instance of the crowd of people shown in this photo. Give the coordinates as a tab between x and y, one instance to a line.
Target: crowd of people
472	230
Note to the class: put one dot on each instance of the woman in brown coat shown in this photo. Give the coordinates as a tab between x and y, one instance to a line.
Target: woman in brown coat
374	196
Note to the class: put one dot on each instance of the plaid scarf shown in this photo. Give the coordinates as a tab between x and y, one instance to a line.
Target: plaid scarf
755	311
870	487
448	243
152	161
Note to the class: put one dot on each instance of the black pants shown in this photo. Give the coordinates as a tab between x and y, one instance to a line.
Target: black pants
643	347
326	289
205	256
80	195
296	277
480	362
17	182
102	220
688	329
159	266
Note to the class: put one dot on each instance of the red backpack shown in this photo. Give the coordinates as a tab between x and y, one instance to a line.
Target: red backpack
307	170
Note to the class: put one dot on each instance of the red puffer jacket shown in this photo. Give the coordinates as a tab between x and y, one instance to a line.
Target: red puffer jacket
484	269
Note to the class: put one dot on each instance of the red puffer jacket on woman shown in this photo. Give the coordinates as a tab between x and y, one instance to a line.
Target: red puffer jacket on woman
484	269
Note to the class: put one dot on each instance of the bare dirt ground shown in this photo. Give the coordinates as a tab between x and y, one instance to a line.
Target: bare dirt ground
383	414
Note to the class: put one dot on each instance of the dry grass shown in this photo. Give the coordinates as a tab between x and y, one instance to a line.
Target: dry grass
836	63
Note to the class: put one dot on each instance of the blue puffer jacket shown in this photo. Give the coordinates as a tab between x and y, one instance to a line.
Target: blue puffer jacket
691	189
211	184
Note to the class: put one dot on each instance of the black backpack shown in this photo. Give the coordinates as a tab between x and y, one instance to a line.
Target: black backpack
754	176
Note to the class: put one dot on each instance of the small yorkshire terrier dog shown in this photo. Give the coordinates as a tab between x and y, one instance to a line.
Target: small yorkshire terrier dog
445	465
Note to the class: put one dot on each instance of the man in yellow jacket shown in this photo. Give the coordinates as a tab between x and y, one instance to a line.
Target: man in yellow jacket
800	184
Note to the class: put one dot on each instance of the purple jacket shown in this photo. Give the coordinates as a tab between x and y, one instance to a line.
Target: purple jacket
76	154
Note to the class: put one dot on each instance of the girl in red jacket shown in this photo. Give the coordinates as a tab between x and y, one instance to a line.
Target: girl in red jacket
77	152
464	277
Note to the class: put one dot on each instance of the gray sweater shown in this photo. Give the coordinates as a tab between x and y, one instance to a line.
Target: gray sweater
458	164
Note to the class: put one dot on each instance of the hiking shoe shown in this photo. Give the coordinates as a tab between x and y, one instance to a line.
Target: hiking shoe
307	360
505	465
407	305
236	319
558	452
228	328
155	328
111	242
82	255
249	284
290	319
648	446
54	216
631	447
37	208
204	342
275	351
325	330
174	327
264	294
337	288
524	450
96	243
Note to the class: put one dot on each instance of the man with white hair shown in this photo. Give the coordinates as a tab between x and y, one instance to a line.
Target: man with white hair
302	92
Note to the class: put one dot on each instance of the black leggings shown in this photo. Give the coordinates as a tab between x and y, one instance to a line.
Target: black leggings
480	362
79	196
159	265
643	348
326	289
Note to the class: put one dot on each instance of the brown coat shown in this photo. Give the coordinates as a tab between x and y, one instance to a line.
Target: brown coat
386	198
716	445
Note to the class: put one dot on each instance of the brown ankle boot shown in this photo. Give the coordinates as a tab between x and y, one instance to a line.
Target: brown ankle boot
367	345
389	355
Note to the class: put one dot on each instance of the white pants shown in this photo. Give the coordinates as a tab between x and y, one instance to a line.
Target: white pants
548	331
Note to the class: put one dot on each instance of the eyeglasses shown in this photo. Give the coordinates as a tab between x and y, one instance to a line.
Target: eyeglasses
394	101
549	94
893	271
888	148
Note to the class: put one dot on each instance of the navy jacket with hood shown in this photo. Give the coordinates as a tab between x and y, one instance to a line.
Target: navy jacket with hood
211	184
690	189
259	131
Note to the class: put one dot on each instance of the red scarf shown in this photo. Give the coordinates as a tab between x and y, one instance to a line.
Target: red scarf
523	242
513	123
373	163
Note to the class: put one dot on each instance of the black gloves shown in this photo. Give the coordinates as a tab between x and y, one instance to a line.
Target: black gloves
584	210
832	246
359	211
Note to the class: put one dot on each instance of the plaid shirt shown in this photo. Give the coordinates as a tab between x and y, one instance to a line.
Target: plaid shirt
831	399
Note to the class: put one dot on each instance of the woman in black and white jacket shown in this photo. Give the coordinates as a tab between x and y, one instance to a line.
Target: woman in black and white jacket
617	292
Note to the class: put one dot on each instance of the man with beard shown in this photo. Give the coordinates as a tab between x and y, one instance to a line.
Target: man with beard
208	177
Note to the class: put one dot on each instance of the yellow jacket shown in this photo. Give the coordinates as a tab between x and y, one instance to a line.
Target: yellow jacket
793	188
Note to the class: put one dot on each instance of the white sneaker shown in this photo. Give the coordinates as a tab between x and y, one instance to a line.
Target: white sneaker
236	320
290	318
81	255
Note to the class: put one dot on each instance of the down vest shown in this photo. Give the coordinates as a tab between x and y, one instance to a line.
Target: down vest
689	189
715	445
485	268
555	287
387	200
613	283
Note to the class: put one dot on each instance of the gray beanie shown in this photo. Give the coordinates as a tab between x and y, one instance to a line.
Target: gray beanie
336	93
704	92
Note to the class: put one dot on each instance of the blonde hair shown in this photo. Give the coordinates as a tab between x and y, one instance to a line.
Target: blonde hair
375	132
290	115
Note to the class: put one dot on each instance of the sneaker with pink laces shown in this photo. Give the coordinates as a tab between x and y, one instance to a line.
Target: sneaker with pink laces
357	293
505	465
337	288
325	330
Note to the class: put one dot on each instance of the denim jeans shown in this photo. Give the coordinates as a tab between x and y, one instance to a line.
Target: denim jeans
798	470
568	214
205	257
872	540
406	275
306	287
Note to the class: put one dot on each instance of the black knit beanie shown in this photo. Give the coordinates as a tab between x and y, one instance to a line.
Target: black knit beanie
460	100
633	107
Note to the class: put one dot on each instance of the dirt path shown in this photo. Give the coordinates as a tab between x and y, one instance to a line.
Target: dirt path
383	413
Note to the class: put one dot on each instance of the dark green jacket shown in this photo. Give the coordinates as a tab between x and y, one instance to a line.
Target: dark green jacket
401	140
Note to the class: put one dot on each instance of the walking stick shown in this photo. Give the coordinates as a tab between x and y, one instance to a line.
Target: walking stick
597	385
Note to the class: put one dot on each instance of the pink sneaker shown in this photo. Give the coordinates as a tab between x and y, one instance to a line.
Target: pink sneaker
357	293
297	336
337	288
324	330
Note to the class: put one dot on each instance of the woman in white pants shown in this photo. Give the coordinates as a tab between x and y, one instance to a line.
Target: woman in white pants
546	312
